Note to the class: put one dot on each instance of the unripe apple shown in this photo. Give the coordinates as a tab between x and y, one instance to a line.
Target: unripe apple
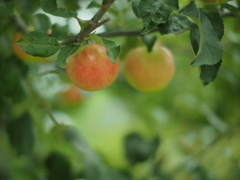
72	96
91	69
21	54
149	72
218	1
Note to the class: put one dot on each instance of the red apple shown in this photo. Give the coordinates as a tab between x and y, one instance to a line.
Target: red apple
91	69
149	72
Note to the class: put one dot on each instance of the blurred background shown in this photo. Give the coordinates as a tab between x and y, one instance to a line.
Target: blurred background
49	129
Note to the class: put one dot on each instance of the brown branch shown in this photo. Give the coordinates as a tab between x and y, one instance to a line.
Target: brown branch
137	32
93	24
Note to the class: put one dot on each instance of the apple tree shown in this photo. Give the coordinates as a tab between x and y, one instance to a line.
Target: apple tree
119	89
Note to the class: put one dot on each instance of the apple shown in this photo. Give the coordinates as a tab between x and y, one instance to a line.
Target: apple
21	54
218	1
149	72
72	96
91	69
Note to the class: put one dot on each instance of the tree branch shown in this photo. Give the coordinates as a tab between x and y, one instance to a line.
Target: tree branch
137	32
93	24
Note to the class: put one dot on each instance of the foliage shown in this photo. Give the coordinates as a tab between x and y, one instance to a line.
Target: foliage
186	131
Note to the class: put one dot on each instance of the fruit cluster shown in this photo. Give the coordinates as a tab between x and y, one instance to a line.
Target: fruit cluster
91	69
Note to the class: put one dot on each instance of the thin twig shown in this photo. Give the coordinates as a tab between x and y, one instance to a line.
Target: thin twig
93	24
52	118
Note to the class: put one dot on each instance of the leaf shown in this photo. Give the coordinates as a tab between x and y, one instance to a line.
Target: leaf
37	44
93	4
83	23
138	149
28	6
58	167
41	23
206	36
6	8
149	41
176	24
113	50
209	72
97	39
64	53
50	6
135	4
59	32
155	12
21	136
232	9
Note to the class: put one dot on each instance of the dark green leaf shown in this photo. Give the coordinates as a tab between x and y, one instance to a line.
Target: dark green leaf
41	23
93	4
58	167
138	149
205	38
12	72
232	9
71	5
37	44
28	6
149	41
113	50
135	4
209	72
59	32
50	6
6	8
65	53
155	12
176	24
21	136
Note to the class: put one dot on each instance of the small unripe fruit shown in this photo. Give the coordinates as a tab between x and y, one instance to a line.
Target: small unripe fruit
149	72
91	69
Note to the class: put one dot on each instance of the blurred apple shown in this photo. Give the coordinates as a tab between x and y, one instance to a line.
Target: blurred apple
149	71
72	96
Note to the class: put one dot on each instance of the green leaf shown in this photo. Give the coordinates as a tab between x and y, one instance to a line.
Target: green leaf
37	44
41	23
59	32
93	4
176	24
232	9
58	167
135	4
149	41
82	23
65	53
155	12
209	72
21	136
113	50
206	36
50	6
97	39
139	149
6	8
28	6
